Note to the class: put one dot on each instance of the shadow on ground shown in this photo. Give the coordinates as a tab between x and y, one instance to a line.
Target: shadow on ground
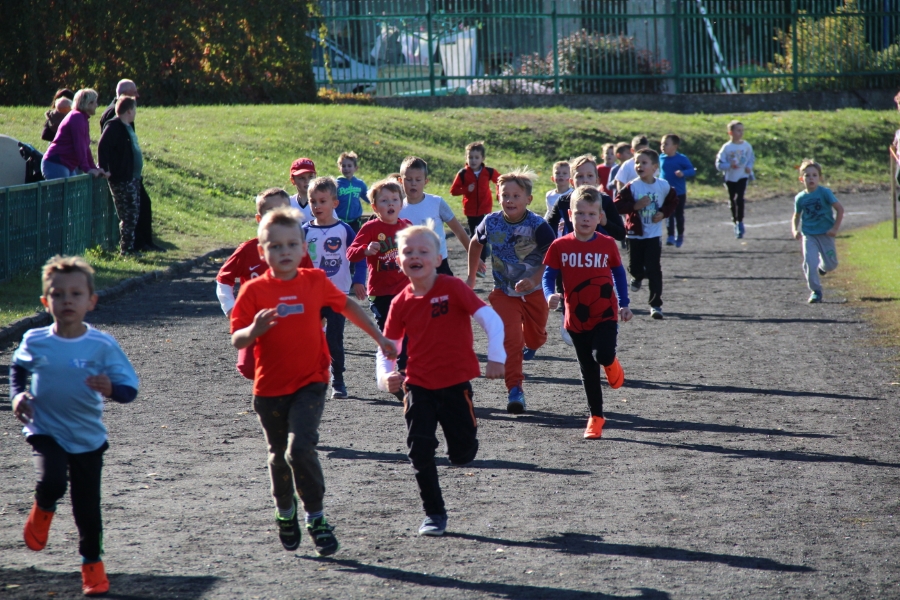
30	583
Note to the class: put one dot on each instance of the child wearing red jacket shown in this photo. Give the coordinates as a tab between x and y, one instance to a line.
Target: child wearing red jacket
473	183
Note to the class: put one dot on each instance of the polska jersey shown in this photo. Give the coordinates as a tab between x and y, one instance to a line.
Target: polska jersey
327	247
588	284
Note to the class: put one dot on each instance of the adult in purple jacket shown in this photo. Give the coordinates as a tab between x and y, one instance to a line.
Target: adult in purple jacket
70	151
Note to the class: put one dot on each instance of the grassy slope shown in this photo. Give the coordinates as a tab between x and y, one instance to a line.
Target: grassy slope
205	164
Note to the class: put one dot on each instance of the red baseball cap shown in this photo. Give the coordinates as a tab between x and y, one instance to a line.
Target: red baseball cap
302	165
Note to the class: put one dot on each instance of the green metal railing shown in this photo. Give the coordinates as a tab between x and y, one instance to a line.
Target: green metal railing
436	47
61	216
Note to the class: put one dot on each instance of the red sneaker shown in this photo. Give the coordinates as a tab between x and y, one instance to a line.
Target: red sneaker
93	579
37	528
594	428
615	375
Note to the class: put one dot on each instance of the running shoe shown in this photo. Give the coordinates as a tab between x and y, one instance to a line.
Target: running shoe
679	241
93	579
656	313
670	241
815	298
614	374
322	534
563	333
516	401
594	428
737	231
37	527
821	271
338	390
635	285
528	353
741	228
433	525
288	530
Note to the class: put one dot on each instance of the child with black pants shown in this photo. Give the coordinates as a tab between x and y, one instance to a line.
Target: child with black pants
72	367
434	313
644	203
736	159
590	266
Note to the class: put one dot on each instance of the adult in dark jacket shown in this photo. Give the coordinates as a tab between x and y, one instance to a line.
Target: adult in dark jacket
59	108
120	154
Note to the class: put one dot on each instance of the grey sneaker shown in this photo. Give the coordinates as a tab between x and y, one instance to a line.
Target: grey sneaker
433	525
635	285
656	313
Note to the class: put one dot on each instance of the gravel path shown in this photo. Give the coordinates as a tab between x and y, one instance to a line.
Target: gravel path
752	453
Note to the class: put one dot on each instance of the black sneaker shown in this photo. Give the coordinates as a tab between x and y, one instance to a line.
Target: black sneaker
289	530
321	533
821	271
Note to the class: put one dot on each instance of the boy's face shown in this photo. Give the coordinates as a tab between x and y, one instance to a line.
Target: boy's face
474	159
737	133
282	247
264	205
561	176
610	156
668	147
645	167
301	182
514	200
387	206
585	174
322	205
68	298
585	217
810	178
348	167
419	259
414	181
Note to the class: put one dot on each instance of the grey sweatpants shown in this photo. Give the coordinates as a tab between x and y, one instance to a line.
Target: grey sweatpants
818	252
291	425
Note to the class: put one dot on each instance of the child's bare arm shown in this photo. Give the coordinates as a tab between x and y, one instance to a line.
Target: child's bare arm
838	218
459	232
474	260
795	226
358	317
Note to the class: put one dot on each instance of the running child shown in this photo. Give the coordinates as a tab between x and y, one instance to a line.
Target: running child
735	159
280	310
419	207
519	239
303	170
591	268
351	191
675	167
561	178
72	367
433	314
627	171
608	153
623	154
585	173
473	183
244	264
817	219
645	202
328	240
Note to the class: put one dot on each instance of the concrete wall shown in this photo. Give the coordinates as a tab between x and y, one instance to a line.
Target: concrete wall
685	103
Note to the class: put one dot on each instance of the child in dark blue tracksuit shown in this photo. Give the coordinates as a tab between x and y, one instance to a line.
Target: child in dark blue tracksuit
675	167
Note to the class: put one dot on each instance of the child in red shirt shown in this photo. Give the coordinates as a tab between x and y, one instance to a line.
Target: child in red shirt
473	183
246	263
281	311
434	312
591	267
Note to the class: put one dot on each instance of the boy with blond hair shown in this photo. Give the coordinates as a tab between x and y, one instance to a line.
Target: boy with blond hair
561	178
817	219
280	311
351	191
519	239
433	313
736	159
623	154
608	154
72	368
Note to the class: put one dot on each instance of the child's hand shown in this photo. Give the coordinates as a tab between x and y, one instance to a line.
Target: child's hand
553	301
642	203
387	348
525	286
679	173
22	408
832	232
100	383
482	268
797	235
625	314
372	249
392	382
263	322
471	187
659	216
359	290
747	170
494	370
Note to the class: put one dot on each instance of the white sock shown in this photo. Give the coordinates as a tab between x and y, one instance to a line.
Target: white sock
310	517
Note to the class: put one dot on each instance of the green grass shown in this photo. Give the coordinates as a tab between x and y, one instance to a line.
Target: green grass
203	165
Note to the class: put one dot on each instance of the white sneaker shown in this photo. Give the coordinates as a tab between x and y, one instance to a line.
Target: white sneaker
563	333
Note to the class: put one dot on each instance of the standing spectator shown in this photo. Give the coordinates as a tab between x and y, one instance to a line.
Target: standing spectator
120	154
125	87
59	108
69	153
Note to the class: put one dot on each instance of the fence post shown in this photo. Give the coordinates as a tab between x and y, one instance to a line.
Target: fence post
676	44
8	272
430	18
65	215
895	166
553	18
794	49
39	251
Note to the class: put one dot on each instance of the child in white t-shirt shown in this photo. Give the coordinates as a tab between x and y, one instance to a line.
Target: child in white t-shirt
562	173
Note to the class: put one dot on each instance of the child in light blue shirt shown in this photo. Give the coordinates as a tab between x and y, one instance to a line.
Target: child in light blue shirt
351	191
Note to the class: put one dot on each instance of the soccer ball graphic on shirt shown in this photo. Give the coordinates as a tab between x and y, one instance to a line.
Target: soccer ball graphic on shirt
592	301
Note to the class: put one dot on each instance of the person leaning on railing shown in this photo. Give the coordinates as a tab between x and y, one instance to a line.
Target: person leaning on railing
69	153
120	154
59	108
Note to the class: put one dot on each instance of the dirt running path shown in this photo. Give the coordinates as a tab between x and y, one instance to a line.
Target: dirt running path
752	453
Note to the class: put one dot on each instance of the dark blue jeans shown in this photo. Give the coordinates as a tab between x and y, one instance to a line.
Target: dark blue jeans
676	221
334	335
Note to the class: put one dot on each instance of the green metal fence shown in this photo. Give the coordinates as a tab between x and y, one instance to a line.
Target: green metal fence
436	47
61	216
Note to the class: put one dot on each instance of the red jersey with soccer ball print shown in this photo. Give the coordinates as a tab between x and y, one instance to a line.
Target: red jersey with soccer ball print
385	276
440	345
245	264
293	353
588	285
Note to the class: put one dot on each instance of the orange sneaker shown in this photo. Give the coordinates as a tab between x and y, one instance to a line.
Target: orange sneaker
93	579
594	428
37	528
615	375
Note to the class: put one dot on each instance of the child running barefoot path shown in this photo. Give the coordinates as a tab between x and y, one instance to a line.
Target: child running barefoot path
817	219
518	239
434	312
591	268
72	368
281	312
